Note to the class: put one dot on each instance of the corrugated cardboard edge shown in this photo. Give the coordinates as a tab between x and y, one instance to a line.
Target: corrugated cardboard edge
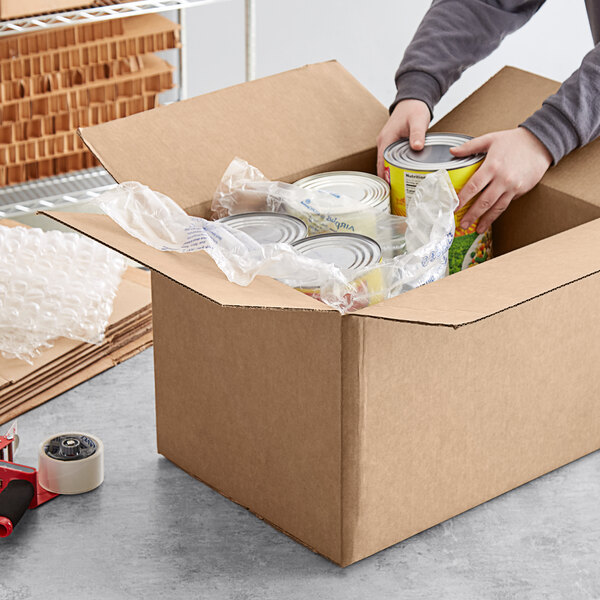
479	319
353	401
80	376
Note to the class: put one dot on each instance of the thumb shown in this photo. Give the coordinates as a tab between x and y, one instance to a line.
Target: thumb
474	146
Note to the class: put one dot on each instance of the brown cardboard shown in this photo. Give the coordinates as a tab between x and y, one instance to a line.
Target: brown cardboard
310	106
11	9
20	56
69	362
351	433
55	81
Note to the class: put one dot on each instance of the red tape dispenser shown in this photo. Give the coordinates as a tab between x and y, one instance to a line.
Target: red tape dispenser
69	463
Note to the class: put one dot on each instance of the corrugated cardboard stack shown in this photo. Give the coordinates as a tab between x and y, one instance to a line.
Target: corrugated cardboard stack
54	81
24	386
11	9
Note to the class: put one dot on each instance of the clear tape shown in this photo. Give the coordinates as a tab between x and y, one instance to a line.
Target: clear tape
415	248
71	476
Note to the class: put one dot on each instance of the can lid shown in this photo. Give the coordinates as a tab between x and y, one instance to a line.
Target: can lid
435	154
348	251
368	189
268	227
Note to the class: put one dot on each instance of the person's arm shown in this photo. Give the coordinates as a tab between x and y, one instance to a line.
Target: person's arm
518	158
453	35
571	117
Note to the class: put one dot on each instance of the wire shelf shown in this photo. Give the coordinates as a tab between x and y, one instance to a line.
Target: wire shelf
95	13
53	192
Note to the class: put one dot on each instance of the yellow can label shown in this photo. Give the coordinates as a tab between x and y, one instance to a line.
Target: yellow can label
468	248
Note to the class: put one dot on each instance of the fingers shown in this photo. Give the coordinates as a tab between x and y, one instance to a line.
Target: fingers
476	183
493	213
409	119
417	127
474	146
488	198
383	141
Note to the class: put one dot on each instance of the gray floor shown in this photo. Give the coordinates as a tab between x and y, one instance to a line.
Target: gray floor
151	531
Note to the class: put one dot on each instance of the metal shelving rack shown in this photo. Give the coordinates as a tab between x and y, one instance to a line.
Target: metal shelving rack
80	186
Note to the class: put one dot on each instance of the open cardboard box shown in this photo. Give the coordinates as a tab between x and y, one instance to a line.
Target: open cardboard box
351	433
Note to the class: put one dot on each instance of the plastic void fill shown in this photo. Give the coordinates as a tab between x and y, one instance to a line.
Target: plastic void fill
420	257
53	284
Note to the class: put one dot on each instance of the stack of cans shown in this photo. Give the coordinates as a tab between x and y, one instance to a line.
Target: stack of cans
338	234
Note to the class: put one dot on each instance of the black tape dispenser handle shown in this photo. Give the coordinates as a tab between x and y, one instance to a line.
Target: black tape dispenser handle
14	501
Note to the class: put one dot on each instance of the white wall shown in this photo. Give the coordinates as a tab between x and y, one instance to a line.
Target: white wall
368	38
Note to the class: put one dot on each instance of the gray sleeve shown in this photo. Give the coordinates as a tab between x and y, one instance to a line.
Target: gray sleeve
453	35
571	117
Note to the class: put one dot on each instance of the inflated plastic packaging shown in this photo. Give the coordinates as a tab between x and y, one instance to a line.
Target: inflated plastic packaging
53	284
414	248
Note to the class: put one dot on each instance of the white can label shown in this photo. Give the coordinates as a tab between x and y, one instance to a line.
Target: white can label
411	181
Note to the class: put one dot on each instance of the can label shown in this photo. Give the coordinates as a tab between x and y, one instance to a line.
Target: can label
334	219
468	248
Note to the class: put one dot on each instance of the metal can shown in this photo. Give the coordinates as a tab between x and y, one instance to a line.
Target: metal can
406	168
268	227
370	190
353	254
331	212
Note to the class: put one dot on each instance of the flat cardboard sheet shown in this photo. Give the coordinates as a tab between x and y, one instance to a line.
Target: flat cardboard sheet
70	362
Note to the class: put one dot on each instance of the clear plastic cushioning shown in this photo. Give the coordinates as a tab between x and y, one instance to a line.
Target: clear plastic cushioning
53	284
414	248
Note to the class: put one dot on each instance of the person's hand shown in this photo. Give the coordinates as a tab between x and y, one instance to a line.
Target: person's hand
410	118
516	160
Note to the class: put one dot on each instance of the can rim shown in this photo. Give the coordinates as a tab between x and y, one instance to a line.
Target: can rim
375	189
237	221
369	260
413	165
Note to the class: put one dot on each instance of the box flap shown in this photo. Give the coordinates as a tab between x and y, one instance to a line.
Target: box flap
195	270
506	100
286	125
499	284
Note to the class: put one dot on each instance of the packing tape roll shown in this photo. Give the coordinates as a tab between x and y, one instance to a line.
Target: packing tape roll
71	463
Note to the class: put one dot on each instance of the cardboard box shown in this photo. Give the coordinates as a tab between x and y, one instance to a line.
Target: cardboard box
352	433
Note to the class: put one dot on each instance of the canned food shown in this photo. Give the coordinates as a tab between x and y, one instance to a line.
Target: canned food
347	202
268	227
356	255
370	190
406	168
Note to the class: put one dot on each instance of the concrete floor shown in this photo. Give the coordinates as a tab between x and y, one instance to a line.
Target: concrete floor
151	531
